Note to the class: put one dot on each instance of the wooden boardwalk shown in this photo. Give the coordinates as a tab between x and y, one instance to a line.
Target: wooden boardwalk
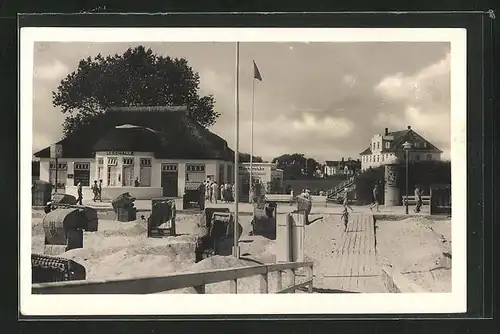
353	266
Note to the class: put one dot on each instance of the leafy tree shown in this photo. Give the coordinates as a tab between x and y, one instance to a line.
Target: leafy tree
137	77
297	166
245	157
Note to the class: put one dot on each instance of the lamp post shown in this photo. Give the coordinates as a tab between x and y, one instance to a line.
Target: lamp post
406	146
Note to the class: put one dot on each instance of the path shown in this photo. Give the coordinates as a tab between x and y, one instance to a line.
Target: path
347	261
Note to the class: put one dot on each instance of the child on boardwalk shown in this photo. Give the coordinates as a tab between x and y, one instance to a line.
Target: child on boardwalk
345	217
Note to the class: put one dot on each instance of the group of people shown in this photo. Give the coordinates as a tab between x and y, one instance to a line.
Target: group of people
376	203
215	192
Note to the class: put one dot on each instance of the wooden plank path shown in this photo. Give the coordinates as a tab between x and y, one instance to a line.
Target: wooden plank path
353	266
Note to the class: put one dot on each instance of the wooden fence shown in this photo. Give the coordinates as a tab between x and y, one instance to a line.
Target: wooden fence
198	281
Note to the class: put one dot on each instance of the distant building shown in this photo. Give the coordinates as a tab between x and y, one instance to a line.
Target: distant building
388	147
160	146
341	167
265	172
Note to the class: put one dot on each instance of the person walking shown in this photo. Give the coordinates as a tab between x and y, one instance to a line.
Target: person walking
345	218
375	198
345	201
418	198
79	191
95	191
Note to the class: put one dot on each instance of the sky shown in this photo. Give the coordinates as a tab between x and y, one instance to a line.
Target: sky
325	100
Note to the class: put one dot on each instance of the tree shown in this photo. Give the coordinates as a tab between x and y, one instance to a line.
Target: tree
297	166
245	157
137	77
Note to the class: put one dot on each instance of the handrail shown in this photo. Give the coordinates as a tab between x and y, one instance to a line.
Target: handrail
197	280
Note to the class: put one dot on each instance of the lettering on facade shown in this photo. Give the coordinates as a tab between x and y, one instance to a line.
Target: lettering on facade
119	153
254	168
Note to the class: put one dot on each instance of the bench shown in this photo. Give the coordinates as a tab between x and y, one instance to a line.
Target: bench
281	198
412	200
287	198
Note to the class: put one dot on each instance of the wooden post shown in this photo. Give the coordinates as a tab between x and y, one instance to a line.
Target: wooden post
264	283
233	286
310	276
200	289
279	283
283	237
298	236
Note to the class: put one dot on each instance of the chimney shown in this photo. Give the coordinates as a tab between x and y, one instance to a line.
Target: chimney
342	159
409	127
386	133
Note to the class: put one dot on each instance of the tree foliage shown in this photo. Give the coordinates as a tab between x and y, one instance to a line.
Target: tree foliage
245	157
137	77
297	166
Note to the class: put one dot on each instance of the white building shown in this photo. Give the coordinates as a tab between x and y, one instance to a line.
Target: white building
388	147
159	146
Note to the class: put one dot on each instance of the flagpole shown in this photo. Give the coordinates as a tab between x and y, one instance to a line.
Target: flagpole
251	136
236	250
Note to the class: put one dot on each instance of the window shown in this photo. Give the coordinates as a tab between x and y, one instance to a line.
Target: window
377	158
195	168
113	175
417	145
378	145
383	158
169	168
417	157
145	173
81	173
425	144
387	144
128	172
429	156
62	174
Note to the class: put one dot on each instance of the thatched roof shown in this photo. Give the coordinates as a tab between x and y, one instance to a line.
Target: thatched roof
167	131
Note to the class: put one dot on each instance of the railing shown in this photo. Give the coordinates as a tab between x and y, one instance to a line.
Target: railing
198	281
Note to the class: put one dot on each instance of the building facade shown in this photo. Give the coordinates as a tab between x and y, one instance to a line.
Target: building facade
266	173
388	148
341	167
159	147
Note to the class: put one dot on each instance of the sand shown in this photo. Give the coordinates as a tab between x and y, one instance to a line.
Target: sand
415	247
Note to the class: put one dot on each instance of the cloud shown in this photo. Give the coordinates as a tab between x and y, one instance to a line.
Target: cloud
425	102
318	99
54	70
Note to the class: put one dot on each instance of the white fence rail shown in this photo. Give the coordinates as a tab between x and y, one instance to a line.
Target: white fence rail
198	280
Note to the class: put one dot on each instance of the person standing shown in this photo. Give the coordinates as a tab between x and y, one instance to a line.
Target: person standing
215	189
136	182
227	192
95	191
418	198
375	198
345	201
79	191
222	193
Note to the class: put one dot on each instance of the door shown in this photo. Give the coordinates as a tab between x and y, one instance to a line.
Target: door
169	180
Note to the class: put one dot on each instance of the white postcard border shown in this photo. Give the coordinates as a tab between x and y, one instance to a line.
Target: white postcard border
181	304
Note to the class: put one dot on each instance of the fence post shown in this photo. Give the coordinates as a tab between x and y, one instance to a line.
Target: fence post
283	238
298	234
279	283
200	289
264	283
233	286
310	276
293	280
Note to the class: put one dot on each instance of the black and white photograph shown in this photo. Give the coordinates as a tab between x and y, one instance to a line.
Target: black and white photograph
291	163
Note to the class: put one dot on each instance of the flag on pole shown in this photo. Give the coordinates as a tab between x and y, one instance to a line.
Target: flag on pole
256	72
